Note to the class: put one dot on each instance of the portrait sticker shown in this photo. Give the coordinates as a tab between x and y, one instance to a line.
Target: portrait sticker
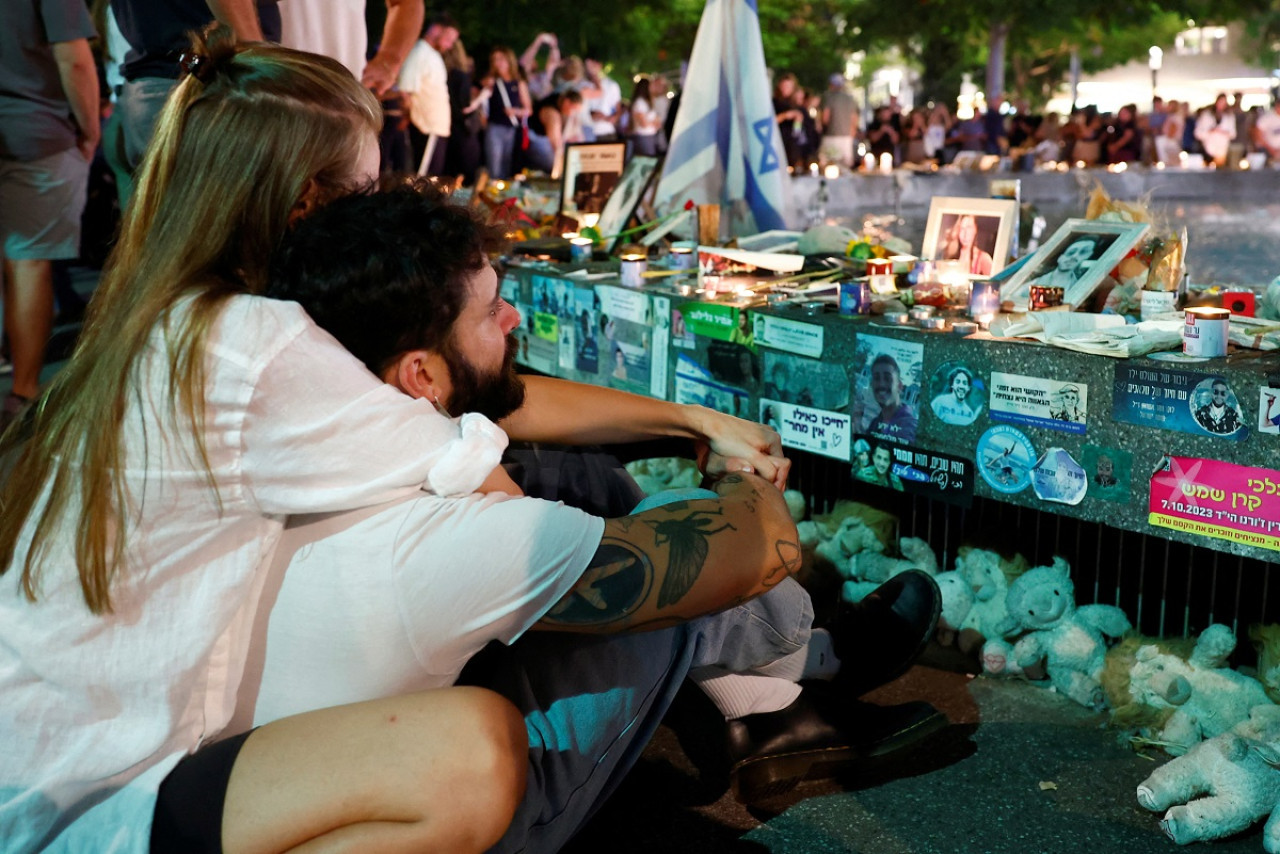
1038	402
1005	458
887	375
661	361
808	382
1269	410
1109	470
695	384
586	332
957	394
816	430
681	335
1217	499
918	471
1057	477
625	304
791	336
1170	399
534	351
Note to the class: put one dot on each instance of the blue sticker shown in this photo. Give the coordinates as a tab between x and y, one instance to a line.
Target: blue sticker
1059	478
1005	458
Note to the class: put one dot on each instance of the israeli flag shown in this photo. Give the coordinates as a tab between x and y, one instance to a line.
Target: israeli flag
725	147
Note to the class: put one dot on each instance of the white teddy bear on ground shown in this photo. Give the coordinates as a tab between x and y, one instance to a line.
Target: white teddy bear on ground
1206	697
1070	641
957	599
1223	785
867	570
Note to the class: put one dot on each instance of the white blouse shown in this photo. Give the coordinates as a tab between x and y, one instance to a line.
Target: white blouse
97	709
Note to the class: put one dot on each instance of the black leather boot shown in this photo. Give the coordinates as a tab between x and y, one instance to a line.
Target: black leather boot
816	737
878	639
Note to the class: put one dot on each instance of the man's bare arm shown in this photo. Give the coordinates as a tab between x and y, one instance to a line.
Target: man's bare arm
79	81
401	31
670	564
241	16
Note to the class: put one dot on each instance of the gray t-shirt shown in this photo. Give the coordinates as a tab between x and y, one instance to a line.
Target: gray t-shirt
842	107
35	118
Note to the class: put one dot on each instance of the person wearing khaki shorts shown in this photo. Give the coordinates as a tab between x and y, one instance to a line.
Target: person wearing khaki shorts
48	133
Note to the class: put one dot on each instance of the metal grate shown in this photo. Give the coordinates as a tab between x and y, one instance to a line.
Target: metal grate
1166	588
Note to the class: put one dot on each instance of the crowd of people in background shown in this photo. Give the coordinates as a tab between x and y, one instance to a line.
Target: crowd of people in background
830	128
513	113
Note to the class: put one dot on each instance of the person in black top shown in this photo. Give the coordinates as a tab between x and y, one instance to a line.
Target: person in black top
550	127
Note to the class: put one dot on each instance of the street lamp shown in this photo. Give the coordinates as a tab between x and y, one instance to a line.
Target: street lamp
1155	58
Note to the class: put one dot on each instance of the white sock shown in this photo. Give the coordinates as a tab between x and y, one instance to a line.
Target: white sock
737	695
816	661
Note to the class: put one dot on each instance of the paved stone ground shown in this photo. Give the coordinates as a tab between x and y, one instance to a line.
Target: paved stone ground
975	788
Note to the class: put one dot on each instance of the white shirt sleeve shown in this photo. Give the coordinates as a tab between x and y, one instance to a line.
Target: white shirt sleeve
485	568
322	433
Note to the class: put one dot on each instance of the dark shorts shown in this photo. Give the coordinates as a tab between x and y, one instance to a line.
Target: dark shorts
188	817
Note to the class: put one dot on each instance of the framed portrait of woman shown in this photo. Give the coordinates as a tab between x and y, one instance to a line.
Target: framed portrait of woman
973	232
1074	260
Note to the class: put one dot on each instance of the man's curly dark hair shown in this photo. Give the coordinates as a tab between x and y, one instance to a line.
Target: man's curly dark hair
384	272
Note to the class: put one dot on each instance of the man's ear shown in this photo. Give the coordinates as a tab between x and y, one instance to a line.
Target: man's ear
420	374
307	202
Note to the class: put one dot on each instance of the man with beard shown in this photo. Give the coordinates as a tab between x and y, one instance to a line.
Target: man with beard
400	597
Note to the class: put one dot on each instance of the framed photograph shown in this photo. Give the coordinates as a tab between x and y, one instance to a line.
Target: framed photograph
626	194
591	171
1075	259
975	232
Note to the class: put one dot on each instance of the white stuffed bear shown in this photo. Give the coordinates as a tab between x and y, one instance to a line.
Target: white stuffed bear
867	570
989	616
852	537
957	599
1069	640
1206	697
1223	785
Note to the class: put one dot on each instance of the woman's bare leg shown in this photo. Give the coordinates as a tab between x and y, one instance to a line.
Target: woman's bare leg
435	771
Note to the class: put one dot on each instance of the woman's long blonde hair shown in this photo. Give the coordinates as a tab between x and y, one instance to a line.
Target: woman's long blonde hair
244	138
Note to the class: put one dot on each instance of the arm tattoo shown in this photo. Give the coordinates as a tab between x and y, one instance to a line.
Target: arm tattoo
789	555
616	581
688	553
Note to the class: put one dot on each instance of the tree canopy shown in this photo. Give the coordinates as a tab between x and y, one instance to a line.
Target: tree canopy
943	39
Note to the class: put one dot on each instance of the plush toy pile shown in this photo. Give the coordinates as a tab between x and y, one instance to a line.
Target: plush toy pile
1221	726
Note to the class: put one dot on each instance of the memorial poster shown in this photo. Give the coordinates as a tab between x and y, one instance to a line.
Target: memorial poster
1217	499
1038	402
808	429
1186	401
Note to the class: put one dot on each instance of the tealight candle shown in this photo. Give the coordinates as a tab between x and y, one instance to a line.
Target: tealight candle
869	162
580	250
831	172
984	299
964	327
633	266
886	162
921	312
682	257
937	324
897	318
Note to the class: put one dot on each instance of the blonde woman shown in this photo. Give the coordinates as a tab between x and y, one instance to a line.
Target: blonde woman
151	485
509	109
